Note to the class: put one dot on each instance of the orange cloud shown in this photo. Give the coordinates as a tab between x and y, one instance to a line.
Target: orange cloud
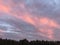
48	22
46	32
25	17
28	19
4	8
37	22
43	24
50	34
44	21
47	27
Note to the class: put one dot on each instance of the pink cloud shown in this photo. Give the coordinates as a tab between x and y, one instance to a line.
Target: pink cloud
48	22
4	8
47	32
45	26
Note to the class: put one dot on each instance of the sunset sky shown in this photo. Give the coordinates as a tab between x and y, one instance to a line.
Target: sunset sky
30	19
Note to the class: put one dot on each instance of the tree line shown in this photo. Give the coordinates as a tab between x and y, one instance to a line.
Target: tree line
26	42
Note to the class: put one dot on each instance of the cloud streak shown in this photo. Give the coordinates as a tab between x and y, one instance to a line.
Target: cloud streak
29	19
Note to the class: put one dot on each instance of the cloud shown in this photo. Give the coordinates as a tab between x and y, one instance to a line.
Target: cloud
30	19
49	22
4	7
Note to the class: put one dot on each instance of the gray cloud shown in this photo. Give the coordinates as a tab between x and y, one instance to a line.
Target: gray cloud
13	27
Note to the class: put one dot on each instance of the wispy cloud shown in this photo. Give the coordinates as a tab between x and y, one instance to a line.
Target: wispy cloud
30	19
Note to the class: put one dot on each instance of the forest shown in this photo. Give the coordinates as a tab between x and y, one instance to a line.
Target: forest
26	42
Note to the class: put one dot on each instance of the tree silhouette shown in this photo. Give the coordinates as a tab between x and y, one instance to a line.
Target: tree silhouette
23	42
26	42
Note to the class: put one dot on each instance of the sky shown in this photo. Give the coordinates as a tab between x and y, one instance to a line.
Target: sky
30	19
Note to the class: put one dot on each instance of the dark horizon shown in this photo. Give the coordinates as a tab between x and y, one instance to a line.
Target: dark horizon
26	42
